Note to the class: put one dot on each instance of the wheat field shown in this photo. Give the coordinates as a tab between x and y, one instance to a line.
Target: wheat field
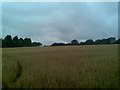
90	66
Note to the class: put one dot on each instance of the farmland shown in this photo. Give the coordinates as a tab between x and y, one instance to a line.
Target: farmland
89	66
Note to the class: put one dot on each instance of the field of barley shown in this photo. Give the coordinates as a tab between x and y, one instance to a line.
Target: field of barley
90	66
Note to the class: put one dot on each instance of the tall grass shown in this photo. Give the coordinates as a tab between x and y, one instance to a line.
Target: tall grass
92	66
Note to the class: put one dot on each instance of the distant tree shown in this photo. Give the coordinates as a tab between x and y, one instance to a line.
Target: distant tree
21	42
58	44
111	40
54	44
104	41
45	45
8	42
36	44
82	43
27	42
89	42
68	44
98	41
74	42
16	41
118	41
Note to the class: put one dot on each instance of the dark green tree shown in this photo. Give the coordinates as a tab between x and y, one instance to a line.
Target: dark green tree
8	42
97	41
74	42
105	41
21	42
16	41
27	42
58	44
36	44
111	40
118	41
89	42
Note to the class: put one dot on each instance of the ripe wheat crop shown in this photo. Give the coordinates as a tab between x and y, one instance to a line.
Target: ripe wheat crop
90	66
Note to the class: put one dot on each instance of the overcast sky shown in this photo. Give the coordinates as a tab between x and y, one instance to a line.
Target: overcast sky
49	22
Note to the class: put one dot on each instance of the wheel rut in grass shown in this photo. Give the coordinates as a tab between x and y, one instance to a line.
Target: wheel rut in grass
19	72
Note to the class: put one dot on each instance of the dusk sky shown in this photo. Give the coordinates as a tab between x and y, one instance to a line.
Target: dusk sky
49	22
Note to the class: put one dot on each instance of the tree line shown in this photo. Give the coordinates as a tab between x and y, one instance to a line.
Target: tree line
8	41
110	40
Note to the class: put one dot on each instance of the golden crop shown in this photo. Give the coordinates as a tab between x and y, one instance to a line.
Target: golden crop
90	66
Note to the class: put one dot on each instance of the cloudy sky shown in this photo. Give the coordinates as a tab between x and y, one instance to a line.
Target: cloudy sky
50	22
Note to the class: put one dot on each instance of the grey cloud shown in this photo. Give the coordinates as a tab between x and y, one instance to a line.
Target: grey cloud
60	22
